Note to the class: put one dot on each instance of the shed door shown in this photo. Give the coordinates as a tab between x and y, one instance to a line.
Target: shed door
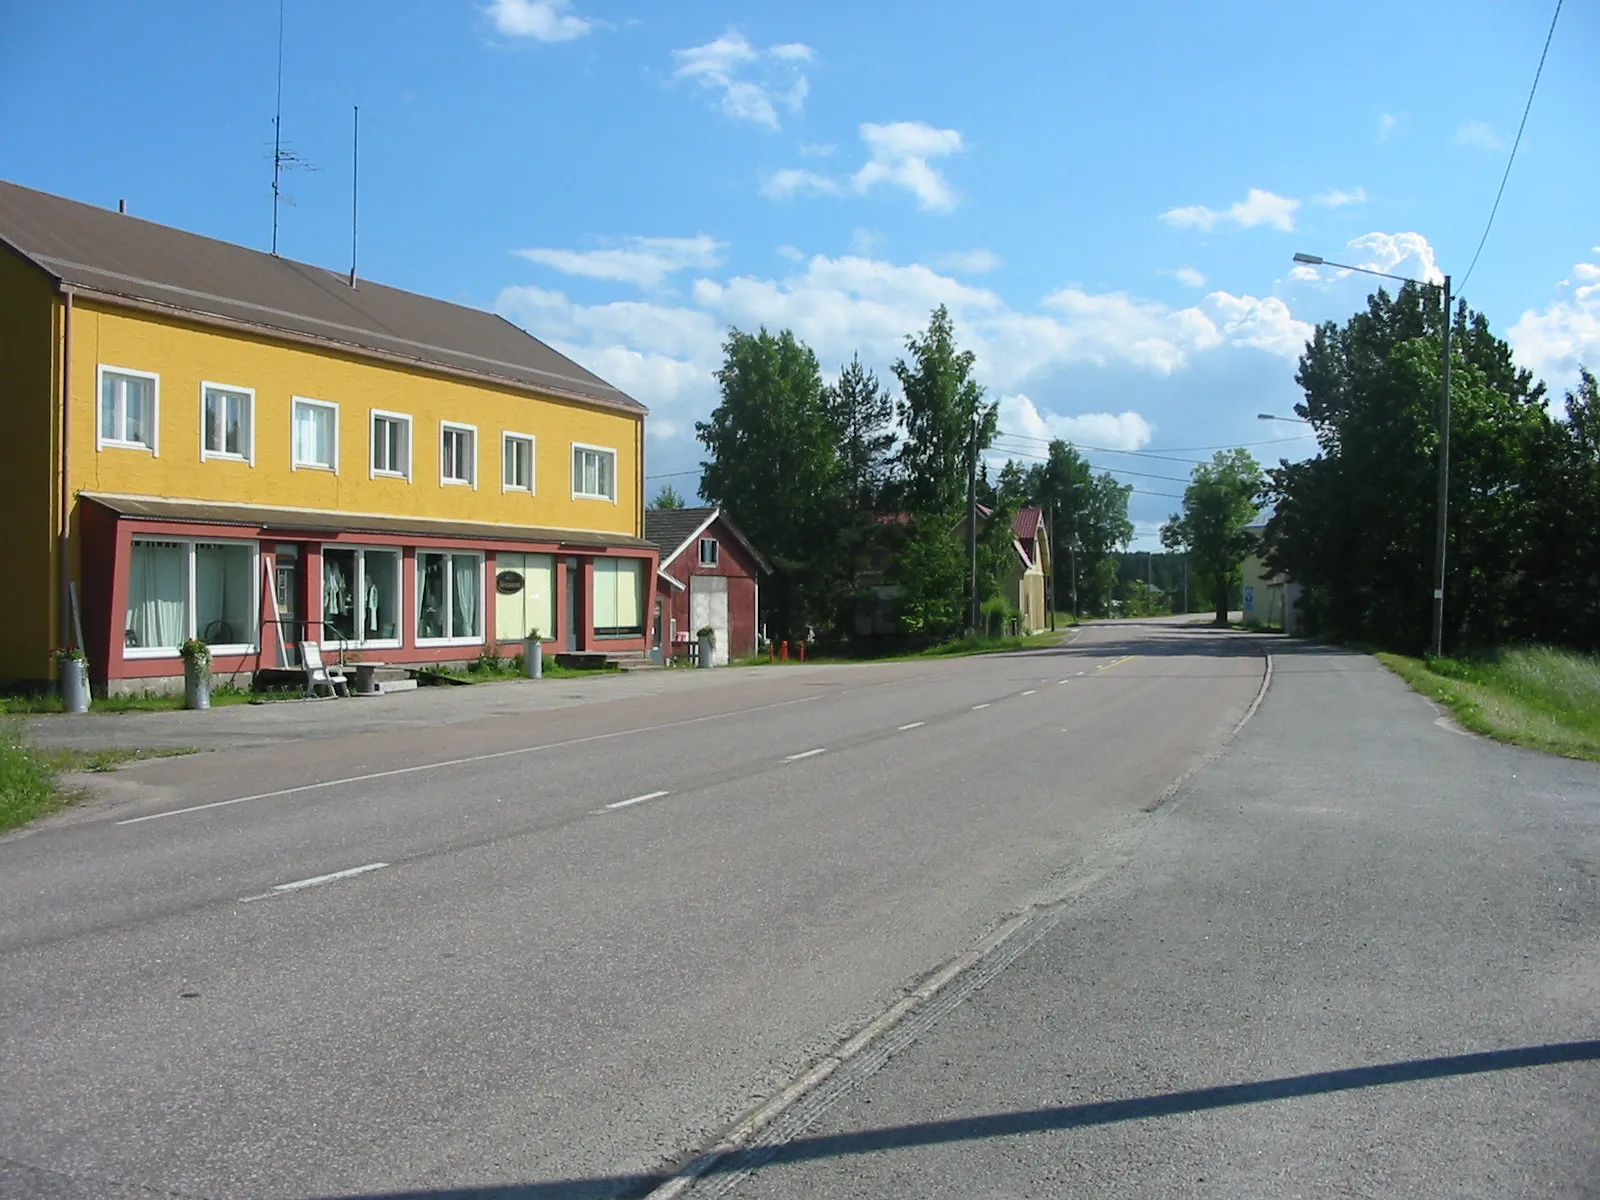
708	605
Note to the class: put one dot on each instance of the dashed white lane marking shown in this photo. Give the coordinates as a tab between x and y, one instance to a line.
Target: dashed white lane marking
913	725
976	707
1030	691
319	880
456	762
805	754
1061	681
638	799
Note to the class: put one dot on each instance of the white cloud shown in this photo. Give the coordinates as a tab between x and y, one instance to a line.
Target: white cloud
793	253
1189	277
640	260
971	262
898	155
816	149
1480	134
1259	207
542	20
1265	324
1555	342
1397	254
1338	199
1019	414
726	65
1387	123
864	242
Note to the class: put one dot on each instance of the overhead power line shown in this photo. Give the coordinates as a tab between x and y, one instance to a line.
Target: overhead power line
1517	141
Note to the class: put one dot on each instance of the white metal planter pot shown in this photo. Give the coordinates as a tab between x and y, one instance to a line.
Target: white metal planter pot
533	658
196	684
708	650
74	686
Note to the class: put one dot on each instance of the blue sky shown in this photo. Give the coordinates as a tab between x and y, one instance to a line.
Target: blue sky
1107	196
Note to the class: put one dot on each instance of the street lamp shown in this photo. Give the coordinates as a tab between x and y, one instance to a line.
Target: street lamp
1272	417
1443	507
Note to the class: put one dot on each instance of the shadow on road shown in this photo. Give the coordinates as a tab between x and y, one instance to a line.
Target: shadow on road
1038	1120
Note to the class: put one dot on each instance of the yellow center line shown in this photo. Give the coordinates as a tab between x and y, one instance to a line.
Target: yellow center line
1119	662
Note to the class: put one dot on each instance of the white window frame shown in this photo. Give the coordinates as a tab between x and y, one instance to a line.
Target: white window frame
449	599
716	552
101	440
207	385
394	643
533	469
219	650
372	443
573	466
447	427
294	462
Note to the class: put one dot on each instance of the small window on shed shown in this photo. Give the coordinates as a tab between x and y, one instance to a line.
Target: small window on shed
708	552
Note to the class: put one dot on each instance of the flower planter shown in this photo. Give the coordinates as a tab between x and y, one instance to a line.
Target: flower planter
533	658
74	685
707	651
196	684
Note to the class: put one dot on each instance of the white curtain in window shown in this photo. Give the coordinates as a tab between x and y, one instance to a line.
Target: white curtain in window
605	593
313	434
464	586
224	594
630	608
431	619
158	586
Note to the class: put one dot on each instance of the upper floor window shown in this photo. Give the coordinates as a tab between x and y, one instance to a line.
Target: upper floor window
518	469
594	472
227	421
316	434
128	402
708	552
458	454
391	444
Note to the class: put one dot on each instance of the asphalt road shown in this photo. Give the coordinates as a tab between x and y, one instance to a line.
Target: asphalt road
584	939
1357	956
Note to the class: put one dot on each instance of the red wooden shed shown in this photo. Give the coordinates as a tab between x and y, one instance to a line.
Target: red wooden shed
710	574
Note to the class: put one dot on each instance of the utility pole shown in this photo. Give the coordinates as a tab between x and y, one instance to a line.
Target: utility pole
1186	581
1444	486
1050	575
972	527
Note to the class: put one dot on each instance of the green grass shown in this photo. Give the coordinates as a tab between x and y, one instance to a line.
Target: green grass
221	697
1535	696
29	776
960	647
501	670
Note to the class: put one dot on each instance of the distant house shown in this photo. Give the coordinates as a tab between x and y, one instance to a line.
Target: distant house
710	574
1269	599
1024	584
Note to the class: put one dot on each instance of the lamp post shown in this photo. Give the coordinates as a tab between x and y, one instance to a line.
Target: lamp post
1273	417
1443	505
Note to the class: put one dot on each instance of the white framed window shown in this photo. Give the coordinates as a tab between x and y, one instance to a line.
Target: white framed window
189	589
227	422
361	596
458	454
391	444
449	598
516	472
130	408
709	551
594	472
315	435
618	597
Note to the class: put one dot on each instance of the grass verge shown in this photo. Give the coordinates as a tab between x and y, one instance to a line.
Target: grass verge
30	776
221	697
1535	696
960	647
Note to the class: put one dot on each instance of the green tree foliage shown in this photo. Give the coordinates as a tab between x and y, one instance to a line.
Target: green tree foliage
775	466
931	570
863	416
667	498
939	404
1356	523
1223	497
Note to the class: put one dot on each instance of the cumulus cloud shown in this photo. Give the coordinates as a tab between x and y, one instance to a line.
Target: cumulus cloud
1479	134
1396	253
1020	415
645	261
1189	277
1338	199
1387	124
898	156
1555	341
1259	207
750	84
971	262
542	20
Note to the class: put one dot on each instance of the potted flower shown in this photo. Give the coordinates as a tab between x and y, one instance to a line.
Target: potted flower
73	671
708	645
533	655
196	657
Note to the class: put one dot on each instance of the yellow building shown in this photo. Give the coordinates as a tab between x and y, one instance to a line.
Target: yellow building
208	441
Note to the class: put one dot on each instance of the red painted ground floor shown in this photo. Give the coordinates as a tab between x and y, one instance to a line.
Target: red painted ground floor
254	583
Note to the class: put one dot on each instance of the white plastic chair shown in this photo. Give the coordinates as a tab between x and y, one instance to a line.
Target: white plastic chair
320	676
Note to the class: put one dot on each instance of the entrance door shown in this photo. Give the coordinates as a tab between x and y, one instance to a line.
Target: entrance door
574	594
524	596
286	592
708	605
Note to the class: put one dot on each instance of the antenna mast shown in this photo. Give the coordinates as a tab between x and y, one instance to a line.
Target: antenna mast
277	133
355	183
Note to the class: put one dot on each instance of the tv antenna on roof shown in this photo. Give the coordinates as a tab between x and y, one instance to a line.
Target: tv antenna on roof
283	158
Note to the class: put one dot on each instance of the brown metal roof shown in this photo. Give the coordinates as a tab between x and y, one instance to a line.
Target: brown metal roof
669	530
123	257
310	520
